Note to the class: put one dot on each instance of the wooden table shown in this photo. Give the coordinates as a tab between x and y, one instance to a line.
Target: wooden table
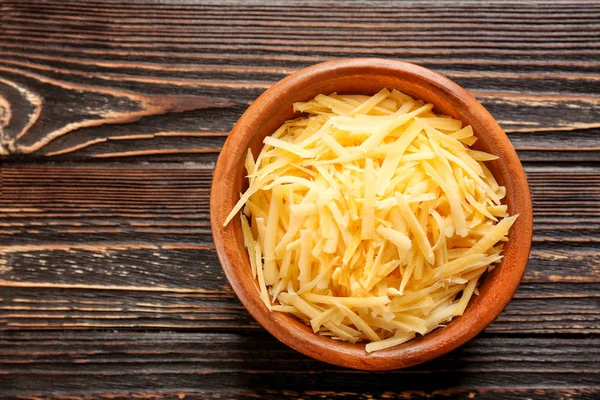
112	118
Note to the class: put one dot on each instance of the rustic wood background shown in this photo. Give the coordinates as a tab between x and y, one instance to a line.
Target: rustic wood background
111	119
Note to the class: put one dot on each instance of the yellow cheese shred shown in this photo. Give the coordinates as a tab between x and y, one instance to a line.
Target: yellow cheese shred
371	218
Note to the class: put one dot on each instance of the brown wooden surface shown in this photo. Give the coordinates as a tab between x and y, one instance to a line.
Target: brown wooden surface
112	118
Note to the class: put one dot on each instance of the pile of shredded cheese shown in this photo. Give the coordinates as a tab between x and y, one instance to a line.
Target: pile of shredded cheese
371	219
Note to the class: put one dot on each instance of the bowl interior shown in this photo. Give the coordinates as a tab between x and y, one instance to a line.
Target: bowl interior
364	76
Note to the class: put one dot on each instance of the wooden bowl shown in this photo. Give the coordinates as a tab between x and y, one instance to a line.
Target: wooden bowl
368	76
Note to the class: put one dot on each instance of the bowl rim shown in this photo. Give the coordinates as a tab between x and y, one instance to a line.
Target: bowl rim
414	351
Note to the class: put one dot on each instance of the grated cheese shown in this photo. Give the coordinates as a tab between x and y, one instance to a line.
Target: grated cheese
370	218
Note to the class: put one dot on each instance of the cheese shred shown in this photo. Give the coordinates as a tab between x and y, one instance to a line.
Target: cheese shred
371	218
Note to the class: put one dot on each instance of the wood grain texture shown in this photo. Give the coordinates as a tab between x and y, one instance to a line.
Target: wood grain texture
485	394
112	115
218	59
132	361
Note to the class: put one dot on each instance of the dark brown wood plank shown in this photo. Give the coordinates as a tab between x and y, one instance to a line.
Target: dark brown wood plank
222	363
164	265
528	117
52	213
539	79
85	203
537	309
482	394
